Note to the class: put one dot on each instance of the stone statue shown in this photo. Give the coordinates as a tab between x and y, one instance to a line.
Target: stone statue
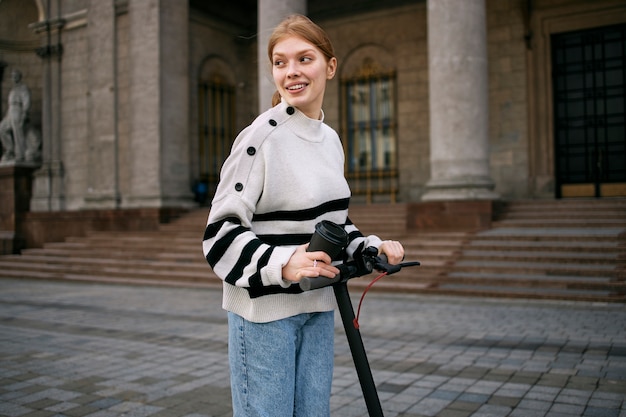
20	140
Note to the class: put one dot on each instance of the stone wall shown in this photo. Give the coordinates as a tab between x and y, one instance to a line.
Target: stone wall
508	103
74	117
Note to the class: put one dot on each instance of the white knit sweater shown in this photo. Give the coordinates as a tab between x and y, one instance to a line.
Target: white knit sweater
283	176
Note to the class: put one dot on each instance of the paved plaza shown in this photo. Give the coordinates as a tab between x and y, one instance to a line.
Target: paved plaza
76	349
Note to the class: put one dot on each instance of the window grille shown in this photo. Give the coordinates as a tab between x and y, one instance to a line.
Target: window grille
370	134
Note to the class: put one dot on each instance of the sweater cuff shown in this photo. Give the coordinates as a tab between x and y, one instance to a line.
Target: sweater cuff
373	240
272	274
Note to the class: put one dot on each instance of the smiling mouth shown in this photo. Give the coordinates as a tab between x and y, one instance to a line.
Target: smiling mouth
296	87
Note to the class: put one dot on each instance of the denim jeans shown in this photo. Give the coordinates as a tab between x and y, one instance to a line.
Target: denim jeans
282	368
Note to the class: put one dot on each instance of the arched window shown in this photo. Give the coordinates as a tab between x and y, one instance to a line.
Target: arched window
369	130
216	130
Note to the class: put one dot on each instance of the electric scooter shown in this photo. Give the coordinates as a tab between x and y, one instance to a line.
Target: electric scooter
366	260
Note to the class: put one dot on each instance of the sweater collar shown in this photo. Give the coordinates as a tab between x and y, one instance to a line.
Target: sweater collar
301	125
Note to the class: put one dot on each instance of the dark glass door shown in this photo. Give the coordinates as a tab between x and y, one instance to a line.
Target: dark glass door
589	74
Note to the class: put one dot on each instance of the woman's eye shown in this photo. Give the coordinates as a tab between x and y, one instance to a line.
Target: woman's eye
305	59
278	63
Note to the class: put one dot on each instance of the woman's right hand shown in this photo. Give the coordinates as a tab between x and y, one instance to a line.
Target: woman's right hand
308	264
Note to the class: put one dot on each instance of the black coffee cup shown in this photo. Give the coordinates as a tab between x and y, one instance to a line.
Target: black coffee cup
329	237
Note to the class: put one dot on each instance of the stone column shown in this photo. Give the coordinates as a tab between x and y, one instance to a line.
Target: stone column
458	90
176	181
102	169
48	181
145	98
159	104
271	13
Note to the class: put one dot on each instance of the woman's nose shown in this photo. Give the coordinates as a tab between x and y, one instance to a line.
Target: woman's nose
293	70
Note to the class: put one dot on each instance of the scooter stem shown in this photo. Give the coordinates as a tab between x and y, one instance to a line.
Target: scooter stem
359	356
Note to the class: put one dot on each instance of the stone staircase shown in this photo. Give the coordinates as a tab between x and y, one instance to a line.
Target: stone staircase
574	250
171	255
559	249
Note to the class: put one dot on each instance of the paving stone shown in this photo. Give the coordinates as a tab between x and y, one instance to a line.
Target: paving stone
69	349
601	412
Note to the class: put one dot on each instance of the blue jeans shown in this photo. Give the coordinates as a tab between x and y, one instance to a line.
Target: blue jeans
282	368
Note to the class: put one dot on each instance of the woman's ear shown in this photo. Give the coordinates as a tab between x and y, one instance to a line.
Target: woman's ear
331	68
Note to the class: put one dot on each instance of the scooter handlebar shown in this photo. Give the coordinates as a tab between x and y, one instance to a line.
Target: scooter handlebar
347	271
308	284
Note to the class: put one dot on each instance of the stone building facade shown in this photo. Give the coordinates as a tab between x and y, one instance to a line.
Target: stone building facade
120	92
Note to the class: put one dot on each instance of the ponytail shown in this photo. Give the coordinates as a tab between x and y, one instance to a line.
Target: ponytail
276	98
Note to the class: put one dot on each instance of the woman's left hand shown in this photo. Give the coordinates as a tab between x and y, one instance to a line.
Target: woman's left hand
394	251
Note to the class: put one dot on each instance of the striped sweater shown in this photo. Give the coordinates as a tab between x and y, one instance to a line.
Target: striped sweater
284	175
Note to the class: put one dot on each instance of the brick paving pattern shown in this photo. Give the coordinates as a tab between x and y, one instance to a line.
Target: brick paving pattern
71	349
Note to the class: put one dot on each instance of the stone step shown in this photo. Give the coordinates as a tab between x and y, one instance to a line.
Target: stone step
132	266
110	270
96	276
115	254
578	215
511	233
565	205
137	243
604	246
534	268
560	222
536	293
521	280
571	257
563	213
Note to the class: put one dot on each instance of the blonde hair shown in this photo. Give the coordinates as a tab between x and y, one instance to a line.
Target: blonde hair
303	27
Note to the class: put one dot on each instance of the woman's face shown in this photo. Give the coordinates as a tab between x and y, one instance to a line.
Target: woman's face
300	72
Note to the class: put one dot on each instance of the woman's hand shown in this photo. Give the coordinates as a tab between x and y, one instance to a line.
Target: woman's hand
394	251
308	264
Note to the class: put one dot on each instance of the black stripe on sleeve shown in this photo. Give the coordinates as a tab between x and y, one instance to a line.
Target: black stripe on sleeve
255	280
354	235
243	261
211	230
221	246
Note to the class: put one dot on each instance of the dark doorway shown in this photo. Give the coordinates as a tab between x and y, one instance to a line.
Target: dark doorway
588	76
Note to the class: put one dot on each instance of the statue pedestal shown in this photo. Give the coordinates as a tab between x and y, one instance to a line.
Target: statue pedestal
15	193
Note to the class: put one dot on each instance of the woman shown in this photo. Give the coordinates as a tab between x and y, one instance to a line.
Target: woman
284	175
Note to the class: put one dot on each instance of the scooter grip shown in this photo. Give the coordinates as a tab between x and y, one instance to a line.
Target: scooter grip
308	284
